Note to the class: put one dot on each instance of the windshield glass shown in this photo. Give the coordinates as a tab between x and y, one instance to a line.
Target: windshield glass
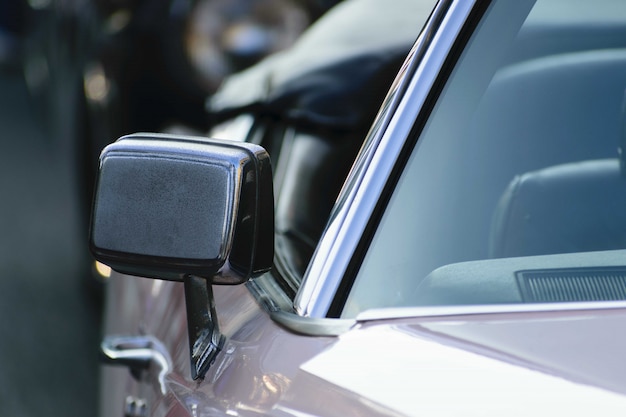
516	190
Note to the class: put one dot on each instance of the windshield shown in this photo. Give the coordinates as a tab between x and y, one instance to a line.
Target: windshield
516	190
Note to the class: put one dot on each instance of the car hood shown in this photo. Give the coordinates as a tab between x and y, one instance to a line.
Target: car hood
521	363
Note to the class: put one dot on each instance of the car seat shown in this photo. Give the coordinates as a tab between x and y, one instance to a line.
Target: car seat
544	112
572	207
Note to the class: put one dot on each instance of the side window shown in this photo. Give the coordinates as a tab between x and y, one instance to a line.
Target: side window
308	175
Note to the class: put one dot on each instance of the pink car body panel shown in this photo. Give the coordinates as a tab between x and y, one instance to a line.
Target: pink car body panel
515	363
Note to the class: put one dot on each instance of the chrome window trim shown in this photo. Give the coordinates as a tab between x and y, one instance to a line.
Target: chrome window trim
474	310
385	141
272	299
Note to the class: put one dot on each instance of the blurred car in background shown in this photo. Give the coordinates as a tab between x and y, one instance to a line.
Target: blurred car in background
441	233
98	69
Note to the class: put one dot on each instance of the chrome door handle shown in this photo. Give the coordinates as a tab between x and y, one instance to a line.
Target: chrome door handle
138	353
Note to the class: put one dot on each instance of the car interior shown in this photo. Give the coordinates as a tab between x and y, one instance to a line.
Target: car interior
533	116
551	125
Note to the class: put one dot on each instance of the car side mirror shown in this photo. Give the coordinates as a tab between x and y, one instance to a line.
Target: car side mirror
187	209
169	206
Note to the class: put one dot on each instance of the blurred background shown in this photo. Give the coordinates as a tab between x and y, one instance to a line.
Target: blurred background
74	76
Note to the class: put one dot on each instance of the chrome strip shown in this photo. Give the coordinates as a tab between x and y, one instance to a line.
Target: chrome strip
265	291
445	311
312	326
364	186
138	353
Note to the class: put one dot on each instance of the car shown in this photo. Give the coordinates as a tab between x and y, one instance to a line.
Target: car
418	209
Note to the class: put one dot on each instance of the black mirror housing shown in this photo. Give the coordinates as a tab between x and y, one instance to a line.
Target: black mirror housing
169	206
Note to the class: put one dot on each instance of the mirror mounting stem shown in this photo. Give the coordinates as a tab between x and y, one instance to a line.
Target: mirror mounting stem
205	340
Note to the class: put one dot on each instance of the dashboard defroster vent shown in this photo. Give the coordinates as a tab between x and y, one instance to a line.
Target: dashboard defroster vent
570	285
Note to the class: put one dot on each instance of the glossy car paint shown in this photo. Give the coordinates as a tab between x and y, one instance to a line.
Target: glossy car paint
254	372
420	362
484	364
